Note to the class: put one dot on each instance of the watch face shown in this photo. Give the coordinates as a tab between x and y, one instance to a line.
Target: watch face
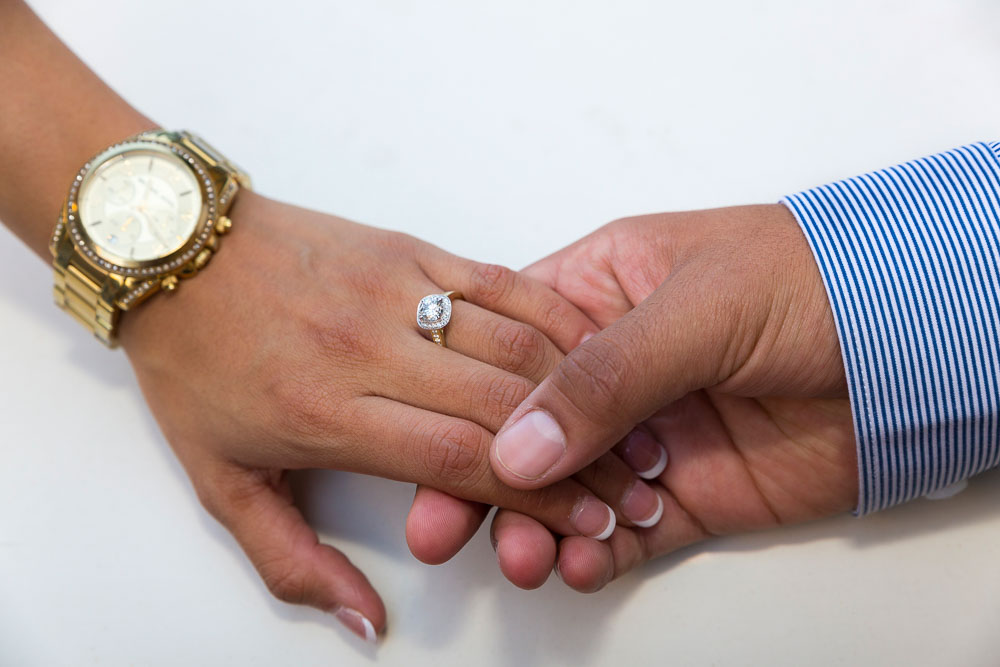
140	205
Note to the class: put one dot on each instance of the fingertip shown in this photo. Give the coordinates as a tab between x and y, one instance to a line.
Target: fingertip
593	518
345	592
654	518
610	528
658	467
644	454
358	623
527	448
526	550
584	564
439	525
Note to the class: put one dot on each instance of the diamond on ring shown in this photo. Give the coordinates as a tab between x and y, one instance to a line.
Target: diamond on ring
434	312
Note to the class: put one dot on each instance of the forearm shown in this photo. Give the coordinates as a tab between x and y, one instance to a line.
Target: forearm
55	114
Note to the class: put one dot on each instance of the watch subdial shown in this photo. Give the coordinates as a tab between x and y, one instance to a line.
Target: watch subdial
163	225
120	191
123	230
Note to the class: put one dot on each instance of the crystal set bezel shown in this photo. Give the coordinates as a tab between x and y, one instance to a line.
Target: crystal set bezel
442	321
147	269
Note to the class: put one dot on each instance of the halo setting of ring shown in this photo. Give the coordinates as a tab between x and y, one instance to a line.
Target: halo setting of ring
434	312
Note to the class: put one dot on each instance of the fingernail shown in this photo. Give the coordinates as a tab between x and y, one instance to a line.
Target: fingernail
645	456
586	337
555	568
592	518
356	622
642	506
530	447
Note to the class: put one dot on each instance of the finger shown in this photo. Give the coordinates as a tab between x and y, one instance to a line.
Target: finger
443	380
588	566
439	525
612	481
526	550
257	508
583	271
451	455
585	565
501	342
637	505
643	453
506	292
669	345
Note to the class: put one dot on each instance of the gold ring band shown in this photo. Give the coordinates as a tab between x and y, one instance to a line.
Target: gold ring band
434	314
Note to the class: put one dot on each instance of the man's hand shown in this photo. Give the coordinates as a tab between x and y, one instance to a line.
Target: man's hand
297	348
720	343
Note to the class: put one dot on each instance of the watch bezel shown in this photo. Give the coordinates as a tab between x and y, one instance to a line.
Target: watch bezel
153	268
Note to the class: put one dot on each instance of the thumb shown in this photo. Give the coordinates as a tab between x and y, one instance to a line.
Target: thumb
256	506
672	343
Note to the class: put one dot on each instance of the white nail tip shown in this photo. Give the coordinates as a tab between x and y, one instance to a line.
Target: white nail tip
606	533
345	613
657	515
370	636
660	466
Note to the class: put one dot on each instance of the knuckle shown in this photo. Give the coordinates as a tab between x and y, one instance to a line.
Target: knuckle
503	393
228	492
522	347
490	283
211	499
553	316
456	454
399	244
625	225
283	580
625	230
595	373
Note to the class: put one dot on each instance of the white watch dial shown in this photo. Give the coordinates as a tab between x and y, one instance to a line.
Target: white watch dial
140	205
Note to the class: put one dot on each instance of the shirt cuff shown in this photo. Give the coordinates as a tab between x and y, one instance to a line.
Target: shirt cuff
910	257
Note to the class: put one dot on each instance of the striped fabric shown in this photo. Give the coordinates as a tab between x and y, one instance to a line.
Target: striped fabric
910	257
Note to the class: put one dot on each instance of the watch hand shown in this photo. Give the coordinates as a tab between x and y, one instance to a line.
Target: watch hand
163	197
149	185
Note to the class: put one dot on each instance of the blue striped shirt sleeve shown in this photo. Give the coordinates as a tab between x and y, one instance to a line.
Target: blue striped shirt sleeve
910	257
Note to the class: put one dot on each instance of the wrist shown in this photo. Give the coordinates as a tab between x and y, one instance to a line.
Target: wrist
144	331
44	141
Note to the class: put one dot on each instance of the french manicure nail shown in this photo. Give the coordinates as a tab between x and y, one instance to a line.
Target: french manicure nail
356	622
642	506
530	447
592	518
644	455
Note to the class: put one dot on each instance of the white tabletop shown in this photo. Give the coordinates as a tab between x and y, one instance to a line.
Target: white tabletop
502	133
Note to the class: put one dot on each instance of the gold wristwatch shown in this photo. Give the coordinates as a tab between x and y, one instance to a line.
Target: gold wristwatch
140	215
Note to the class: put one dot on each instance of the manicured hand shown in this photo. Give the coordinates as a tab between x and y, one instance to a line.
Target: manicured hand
297	347
718	343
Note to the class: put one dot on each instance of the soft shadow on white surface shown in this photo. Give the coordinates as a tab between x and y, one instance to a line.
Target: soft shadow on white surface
501	131
353	509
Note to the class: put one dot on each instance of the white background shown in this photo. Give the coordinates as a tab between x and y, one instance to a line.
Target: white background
500	132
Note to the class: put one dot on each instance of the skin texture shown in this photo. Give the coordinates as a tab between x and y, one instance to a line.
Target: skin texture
275	359
297	347
718	338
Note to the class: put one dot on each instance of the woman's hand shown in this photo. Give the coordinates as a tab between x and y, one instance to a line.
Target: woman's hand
718	338
297	348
